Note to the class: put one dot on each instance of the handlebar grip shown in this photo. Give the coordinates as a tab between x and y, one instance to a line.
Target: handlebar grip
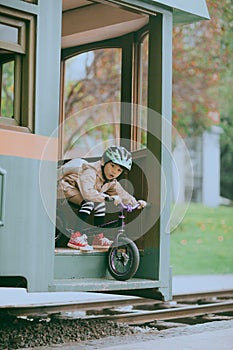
129	207
109	199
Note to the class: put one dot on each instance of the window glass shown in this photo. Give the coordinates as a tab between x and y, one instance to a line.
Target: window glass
17	62
92	90
7	89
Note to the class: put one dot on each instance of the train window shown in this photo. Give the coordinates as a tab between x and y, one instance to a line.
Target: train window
7	88
17	51
92	90
100	81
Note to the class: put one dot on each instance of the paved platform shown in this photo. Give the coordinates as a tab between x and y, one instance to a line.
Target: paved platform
214	339
201	283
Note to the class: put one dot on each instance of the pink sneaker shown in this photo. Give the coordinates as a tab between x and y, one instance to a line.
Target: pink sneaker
100	242
78	241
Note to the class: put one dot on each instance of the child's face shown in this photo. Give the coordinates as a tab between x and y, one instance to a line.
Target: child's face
112	170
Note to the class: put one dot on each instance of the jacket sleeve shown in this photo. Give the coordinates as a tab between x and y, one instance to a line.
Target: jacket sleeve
125	197
87	186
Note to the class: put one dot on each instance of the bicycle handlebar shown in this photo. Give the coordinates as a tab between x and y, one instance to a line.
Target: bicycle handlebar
127	207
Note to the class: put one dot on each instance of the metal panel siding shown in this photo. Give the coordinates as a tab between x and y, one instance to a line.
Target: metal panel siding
80	266
166	152
27	237
21	5
48	66
149	264
184	11
197	7
102	284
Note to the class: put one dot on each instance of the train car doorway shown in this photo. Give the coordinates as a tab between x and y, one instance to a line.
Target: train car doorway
107	75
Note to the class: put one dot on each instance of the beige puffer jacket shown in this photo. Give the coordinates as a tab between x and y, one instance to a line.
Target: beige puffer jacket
87	183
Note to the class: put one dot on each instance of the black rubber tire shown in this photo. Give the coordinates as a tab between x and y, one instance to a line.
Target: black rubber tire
116	267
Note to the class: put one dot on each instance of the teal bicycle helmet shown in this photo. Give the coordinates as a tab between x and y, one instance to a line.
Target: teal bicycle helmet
118	155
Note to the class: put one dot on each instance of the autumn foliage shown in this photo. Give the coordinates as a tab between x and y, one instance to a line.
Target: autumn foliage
197	65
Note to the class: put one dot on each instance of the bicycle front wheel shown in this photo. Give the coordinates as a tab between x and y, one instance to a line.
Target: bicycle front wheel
123	259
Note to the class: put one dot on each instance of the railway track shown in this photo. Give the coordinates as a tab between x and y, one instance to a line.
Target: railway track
141	317
208	303
46	325
142	310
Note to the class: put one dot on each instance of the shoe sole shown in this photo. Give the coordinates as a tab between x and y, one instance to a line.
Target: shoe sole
70	245
73	246
101	246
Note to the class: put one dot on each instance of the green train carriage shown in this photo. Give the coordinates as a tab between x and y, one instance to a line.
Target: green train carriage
39	41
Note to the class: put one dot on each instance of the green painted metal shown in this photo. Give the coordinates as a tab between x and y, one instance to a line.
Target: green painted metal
80	265
187	11
94	265
22	6
27	233
166	149
183	11
159	125
102	284
27	236
149	264
48	67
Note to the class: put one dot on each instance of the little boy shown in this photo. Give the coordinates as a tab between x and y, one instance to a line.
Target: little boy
90	185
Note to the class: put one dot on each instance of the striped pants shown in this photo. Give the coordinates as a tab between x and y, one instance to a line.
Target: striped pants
99	212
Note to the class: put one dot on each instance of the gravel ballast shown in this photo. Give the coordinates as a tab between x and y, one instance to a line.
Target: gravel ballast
23	333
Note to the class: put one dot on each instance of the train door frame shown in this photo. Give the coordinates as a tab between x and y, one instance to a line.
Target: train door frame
157	46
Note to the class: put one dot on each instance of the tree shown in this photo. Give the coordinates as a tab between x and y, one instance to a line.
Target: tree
196	69
203	77
7	98
227	102
88	110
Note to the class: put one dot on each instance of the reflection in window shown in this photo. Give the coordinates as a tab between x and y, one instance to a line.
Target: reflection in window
7	89
91	102
17	54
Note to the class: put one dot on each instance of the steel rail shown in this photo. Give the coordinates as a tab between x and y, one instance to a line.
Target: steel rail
140	317
31	310
227	293
38	309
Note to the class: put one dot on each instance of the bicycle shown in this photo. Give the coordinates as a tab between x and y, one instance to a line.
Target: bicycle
123	255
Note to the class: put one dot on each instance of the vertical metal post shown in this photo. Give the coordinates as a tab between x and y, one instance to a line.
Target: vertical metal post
126	91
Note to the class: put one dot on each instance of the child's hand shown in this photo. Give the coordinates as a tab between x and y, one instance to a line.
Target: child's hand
142	203
117	200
